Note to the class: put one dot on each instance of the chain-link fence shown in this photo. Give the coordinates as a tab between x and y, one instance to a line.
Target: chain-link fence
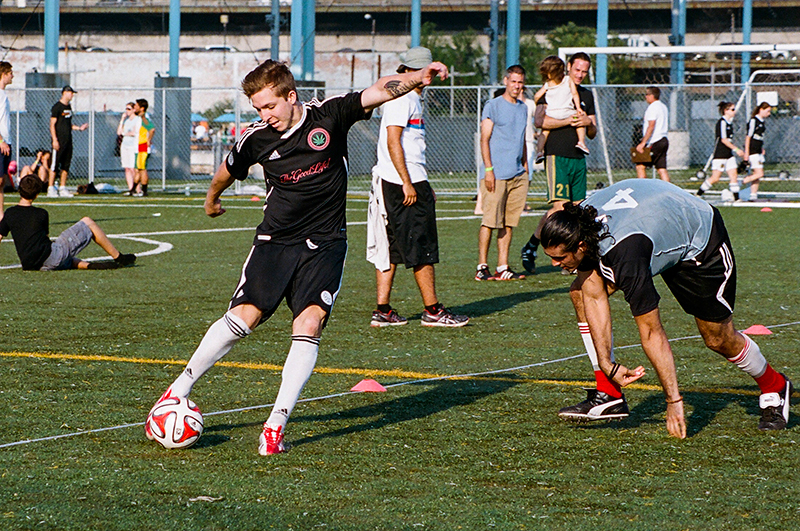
183	156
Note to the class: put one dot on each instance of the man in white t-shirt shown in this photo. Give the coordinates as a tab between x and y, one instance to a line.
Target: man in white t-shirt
6	77
655	128
400	186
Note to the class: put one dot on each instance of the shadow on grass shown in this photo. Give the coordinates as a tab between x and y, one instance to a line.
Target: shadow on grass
704	408
484	307
445	395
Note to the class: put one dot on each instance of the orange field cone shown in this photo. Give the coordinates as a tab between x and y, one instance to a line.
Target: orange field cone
369	386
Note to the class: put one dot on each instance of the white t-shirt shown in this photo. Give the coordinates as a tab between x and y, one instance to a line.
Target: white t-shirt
656	111
405	112
5	117
130	132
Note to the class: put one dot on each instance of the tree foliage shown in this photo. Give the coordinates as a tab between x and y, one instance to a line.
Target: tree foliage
460	52
463	52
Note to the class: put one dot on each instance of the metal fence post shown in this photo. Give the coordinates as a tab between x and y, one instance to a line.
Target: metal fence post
163	139
92	134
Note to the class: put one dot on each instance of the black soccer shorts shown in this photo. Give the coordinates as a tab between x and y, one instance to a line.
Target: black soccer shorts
305	274
706	287
412	234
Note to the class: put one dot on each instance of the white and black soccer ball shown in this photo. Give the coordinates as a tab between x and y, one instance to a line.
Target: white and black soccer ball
176	423
726	195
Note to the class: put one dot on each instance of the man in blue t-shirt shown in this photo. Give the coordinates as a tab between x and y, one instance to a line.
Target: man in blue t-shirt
504	187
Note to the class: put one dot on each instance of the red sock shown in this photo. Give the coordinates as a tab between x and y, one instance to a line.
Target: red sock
604	385
771	381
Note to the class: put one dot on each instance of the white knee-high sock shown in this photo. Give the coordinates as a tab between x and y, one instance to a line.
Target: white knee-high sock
218	341
296	372
750	359
586	336
706	186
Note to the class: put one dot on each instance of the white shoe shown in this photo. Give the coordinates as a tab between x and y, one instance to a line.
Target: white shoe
52	191
64	193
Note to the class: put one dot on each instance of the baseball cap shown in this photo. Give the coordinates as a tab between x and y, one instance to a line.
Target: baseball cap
67	88
416	58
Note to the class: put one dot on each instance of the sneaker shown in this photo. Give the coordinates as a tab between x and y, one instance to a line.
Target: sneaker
508	275
52	191
700	192
529	258
271	440
125	259
444	318
775	408
127	193
539	157
582	147
63	192
597	406
387	319
483	274
167	394
138	194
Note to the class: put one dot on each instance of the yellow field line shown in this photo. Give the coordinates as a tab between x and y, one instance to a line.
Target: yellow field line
365	372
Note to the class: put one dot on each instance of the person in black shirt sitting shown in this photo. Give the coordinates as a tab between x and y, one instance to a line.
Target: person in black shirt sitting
30	227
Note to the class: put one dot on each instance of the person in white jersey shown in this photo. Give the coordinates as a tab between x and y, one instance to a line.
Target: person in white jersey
654	135
400	183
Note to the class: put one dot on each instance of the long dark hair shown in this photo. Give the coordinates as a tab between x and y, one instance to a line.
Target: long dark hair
573	225
763	105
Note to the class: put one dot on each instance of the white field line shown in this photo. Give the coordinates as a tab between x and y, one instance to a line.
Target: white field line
346	393
162	247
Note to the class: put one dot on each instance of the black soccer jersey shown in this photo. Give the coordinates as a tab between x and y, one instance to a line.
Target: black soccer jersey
755	130
723	130
305	169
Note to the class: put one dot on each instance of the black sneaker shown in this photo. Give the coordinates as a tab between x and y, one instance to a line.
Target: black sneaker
597	406
444	318
775	408
387	319
483	274
700	191
125	259
529	258
507	274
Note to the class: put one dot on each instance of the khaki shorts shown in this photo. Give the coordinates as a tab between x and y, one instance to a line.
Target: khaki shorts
503	207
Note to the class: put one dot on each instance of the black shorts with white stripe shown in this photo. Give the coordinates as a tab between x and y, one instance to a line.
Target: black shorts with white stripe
706	287
305	274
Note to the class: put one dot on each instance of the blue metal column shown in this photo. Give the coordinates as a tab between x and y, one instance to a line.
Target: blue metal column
416	22
601	64
494	37
276	31
678	38
297	38
512	33
51	31
309	31
747	27
174	36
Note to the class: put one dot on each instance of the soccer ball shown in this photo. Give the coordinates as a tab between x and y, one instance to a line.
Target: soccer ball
176	423
726	196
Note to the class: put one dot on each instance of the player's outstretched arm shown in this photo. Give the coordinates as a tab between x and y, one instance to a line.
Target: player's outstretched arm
656	345
221	181
391	87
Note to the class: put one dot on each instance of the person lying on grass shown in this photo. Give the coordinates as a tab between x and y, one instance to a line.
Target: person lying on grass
30	225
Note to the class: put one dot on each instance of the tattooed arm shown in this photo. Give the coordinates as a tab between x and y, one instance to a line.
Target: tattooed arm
391	87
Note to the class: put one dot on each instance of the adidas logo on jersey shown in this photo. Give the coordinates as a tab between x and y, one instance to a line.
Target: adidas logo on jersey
275	155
